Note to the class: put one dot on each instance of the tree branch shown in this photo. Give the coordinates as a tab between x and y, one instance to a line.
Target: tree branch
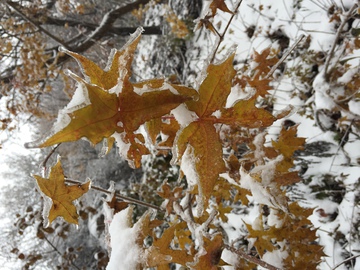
106	24
36	25
338	33
117	195
250	258
121	31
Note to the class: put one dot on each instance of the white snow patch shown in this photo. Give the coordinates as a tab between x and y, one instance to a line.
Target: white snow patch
183	115
125	253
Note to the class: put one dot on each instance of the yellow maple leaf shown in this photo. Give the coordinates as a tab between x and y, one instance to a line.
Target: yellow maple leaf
119	111
61	194
286	145
96	121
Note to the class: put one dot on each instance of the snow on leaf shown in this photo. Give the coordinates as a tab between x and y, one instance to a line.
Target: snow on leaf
215	88
95	121
210	257
61	194
204	139
109	77
126	253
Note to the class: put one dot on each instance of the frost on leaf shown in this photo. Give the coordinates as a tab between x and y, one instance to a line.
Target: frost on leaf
61	194
95	121
210	257
118	106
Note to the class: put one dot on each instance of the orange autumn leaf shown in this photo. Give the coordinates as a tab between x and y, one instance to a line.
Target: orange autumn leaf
201	135
96	121
61	194
219	4
211	259
161	252
170	195
286	145
206	153
215	89
114	105
244	113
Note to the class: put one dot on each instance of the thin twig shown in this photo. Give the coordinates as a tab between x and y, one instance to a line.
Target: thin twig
117	195
43	164
250	258
36	25
338	33
341	146
221	36
345	261
58	251
285	55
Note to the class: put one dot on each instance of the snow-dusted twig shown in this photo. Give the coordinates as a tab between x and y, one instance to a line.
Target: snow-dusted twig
341	146
106	23
285	55
250	258
36	25
221	36
117	195
345	261
338	33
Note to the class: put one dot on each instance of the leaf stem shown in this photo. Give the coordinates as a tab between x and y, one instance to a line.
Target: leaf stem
117	195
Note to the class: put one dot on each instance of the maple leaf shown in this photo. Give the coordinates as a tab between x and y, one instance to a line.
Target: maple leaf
117	106
170	195
244	113
116	205
265	61
207	156
201	135
161	252
167	128
96	121
215	89
61	194
286	145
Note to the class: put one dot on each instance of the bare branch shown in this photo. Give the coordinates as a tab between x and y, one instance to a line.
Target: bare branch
36	25
250	258
221	36
338	33
285	55
117	195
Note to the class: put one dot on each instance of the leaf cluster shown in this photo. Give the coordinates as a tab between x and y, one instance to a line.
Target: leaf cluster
195	123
